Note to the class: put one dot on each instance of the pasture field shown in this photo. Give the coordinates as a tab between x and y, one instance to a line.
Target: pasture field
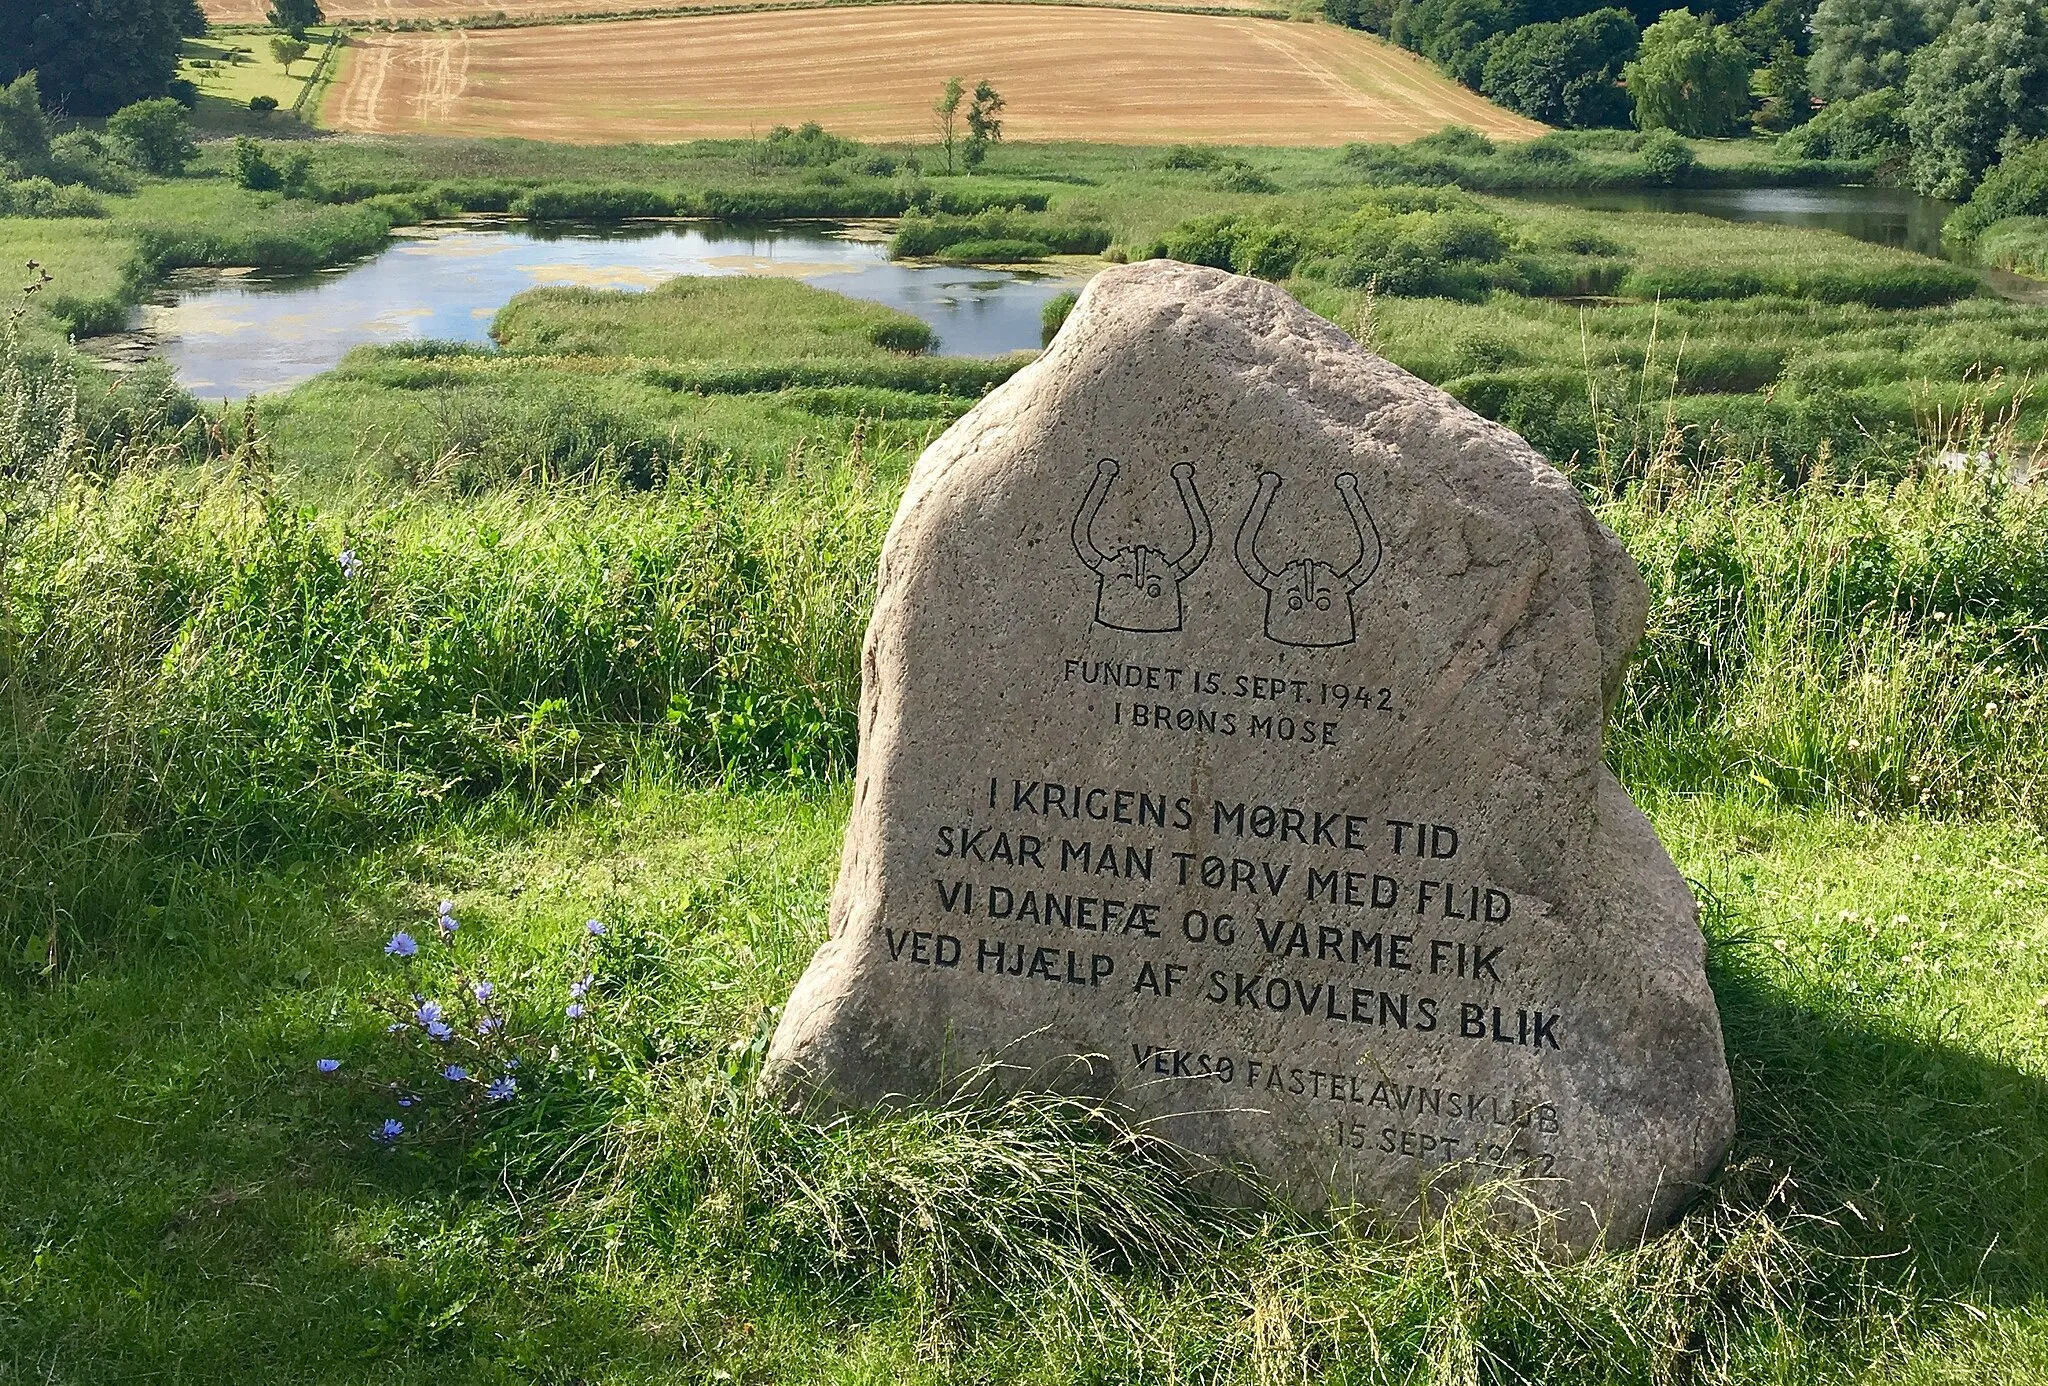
871	73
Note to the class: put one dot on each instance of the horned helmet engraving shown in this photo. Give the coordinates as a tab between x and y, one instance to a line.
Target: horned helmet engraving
1308	602
1137	586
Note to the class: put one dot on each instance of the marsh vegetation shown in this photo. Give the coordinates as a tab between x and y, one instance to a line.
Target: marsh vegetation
568	629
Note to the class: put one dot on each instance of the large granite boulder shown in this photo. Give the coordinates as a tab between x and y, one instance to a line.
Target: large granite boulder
1231	747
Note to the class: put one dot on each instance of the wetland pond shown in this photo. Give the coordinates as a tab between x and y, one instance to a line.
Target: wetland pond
1883	216
240	335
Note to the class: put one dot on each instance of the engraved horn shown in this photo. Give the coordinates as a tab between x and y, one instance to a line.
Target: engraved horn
1248	532
1368	562
1084	519
1198	547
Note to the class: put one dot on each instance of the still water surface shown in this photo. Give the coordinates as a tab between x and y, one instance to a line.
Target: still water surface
252	334
1883	216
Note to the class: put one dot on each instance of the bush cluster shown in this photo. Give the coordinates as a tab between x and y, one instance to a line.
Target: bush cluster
1419	242
998	234
1410	242
1558	160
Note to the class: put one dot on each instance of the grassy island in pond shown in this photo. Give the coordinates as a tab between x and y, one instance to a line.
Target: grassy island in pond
568	630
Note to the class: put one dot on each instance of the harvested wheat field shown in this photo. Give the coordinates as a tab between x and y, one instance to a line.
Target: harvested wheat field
1068	74
460	11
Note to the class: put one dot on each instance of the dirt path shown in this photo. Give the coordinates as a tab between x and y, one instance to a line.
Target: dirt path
870	72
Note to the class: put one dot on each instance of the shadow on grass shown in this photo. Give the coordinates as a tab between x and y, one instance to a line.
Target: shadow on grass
1926	1152
180	1196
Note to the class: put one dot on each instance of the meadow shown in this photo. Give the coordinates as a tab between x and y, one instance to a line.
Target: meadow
569	631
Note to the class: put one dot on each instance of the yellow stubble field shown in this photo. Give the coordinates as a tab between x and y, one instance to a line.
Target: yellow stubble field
455	11
1068	73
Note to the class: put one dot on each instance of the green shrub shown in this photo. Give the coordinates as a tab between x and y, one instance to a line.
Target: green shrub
570	203
1194	158
155	135
909	337
39	197
253	169
2016	187
808	146
263	103
80	156
1240	177
994	252
2019	244
1667	159
923	235
1870	126
475	195
1454	139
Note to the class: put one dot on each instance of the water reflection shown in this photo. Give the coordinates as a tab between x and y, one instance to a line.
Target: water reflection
250	334
1883	216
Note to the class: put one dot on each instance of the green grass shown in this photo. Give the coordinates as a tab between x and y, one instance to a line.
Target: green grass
738	320
186	1198
2019	244
601	659
240	66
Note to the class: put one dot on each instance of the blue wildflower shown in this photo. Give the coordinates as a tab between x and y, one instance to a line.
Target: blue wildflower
390	1131
455	1073
350	564
575	1010
439	1030
429	1012
395	1026
488	1025
483	990
501	1090
402	945
447	907
327	1065
406	1100
578	990
593	927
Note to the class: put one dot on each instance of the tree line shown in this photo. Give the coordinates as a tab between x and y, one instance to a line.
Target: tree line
1942	88
94	57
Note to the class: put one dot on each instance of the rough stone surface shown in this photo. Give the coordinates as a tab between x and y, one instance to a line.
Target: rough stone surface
1230	745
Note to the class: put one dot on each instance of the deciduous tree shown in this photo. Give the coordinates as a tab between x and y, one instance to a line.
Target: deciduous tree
92	56
1863	45
24	129
1789	102
155	135
293	16
946	116
1689	76
1564	73
1979	88
984	122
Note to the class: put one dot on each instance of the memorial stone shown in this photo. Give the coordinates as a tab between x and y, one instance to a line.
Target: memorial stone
1231	749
